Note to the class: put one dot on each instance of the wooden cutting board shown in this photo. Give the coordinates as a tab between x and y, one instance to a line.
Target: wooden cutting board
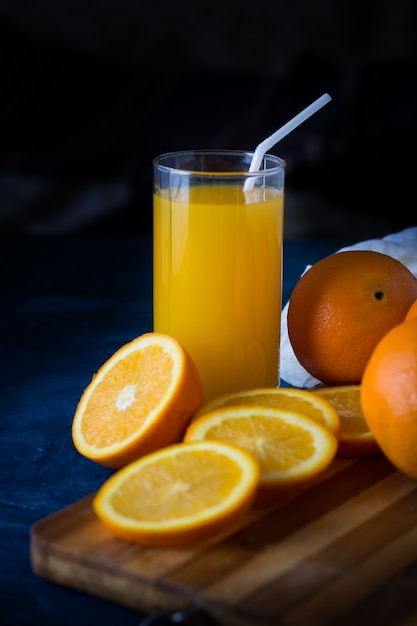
342	552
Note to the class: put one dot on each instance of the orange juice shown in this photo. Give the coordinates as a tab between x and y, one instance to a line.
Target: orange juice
217	280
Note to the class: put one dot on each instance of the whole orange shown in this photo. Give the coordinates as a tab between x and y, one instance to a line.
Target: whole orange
389	396
412	311
342	306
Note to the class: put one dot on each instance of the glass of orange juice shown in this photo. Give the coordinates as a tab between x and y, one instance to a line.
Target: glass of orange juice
218	237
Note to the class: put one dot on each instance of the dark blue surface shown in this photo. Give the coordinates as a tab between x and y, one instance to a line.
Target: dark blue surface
67	304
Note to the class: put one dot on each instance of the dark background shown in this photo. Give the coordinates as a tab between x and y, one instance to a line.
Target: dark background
92	90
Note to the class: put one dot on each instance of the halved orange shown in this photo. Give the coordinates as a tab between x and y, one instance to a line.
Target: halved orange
356	438
299	400
181	495
140	400
290	447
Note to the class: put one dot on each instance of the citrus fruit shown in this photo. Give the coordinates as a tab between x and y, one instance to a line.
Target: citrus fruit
389	395
290	447
180	495
341	307
299	400
412	311
141	399
355	439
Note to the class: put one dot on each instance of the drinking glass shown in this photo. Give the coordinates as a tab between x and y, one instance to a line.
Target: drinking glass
218	237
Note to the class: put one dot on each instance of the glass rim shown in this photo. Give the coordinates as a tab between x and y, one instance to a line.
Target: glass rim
279	164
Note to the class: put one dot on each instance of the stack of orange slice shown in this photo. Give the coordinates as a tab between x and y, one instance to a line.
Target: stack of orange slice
188	473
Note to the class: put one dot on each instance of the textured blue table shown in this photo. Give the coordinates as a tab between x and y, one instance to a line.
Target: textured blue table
67	304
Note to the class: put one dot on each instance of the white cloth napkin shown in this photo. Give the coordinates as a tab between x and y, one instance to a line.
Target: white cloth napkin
401	246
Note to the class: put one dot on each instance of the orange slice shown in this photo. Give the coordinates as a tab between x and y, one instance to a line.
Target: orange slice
181	495
356	438
299	400
291	448
140	400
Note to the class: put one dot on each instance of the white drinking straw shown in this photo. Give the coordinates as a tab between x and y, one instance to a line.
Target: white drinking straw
279	134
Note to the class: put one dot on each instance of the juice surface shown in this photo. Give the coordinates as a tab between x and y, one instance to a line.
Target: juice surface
217	282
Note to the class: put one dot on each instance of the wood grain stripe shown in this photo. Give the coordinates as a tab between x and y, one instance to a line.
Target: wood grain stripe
308	526
347	589
337	559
